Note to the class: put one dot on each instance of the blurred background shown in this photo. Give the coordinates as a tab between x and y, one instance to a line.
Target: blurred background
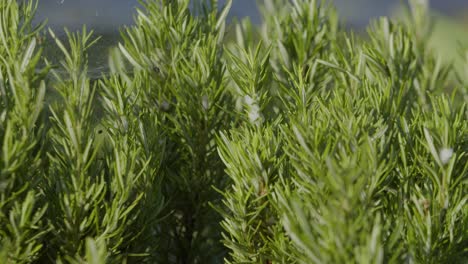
106	16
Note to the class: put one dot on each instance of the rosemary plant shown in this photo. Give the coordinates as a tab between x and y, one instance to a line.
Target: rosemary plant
358	164
295	141
23	223
177	56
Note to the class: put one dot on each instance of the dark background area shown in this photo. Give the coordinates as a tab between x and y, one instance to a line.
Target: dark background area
106	17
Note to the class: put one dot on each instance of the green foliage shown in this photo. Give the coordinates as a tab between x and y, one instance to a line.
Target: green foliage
364	151
292	142
180	75
22	213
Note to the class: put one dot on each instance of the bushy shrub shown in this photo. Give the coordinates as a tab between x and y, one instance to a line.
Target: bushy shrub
296	141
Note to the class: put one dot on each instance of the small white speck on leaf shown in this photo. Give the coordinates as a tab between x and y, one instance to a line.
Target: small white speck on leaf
205	102
445	154
248	100
254	114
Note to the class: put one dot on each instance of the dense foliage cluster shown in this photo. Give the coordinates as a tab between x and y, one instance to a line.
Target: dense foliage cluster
292	142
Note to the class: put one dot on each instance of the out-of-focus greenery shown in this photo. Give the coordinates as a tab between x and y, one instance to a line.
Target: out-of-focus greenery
449	39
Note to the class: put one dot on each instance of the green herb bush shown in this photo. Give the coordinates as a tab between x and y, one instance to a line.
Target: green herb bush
294	141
